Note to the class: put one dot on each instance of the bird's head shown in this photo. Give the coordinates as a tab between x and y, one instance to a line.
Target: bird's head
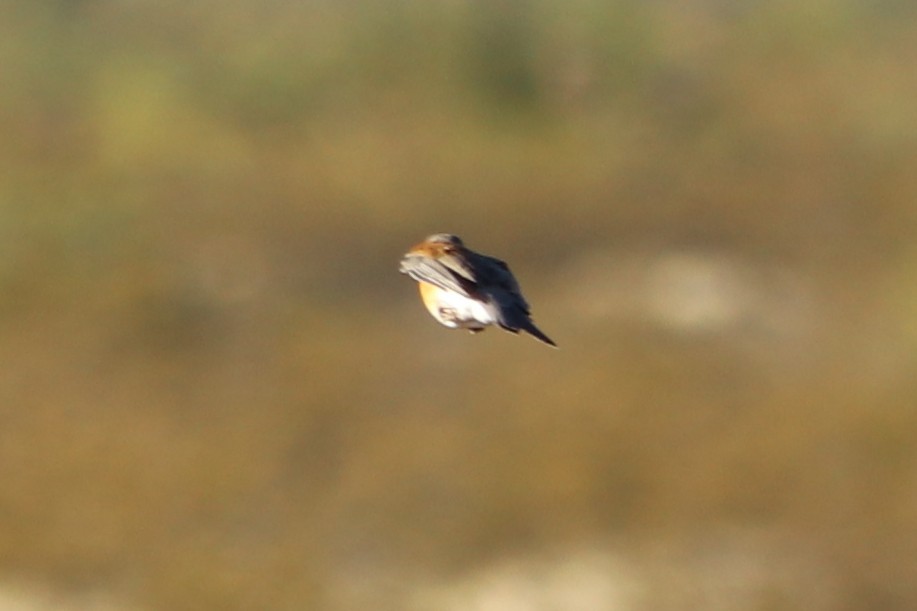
445	238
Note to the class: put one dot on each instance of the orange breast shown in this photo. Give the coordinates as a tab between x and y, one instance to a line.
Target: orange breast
429	294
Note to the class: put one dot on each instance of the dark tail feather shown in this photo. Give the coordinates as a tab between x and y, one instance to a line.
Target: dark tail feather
535	332
517	319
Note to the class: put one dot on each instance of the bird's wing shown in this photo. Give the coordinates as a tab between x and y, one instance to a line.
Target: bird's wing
500	287
496	275
444	272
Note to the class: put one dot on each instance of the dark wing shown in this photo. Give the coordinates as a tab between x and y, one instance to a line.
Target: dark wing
500	287
494	273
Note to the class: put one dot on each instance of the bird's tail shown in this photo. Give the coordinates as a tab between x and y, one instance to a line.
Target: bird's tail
515	319
530	328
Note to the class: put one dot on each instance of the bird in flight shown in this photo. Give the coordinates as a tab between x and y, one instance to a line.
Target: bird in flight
463	289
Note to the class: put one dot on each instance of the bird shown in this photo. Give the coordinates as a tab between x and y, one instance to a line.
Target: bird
463	289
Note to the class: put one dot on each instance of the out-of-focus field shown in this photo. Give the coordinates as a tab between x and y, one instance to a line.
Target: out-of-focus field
216	391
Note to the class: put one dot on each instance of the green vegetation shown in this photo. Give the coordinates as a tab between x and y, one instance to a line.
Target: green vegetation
216	392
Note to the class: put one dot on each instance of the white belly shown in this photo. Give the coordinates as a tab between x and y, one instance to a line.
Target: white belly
457	311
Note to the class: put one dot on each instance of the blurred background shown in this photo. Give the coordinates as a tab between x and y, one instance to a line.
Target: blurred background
217	392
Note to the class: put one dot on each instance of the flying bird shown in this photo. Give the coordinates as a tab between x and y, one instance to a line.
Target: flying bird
463	289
